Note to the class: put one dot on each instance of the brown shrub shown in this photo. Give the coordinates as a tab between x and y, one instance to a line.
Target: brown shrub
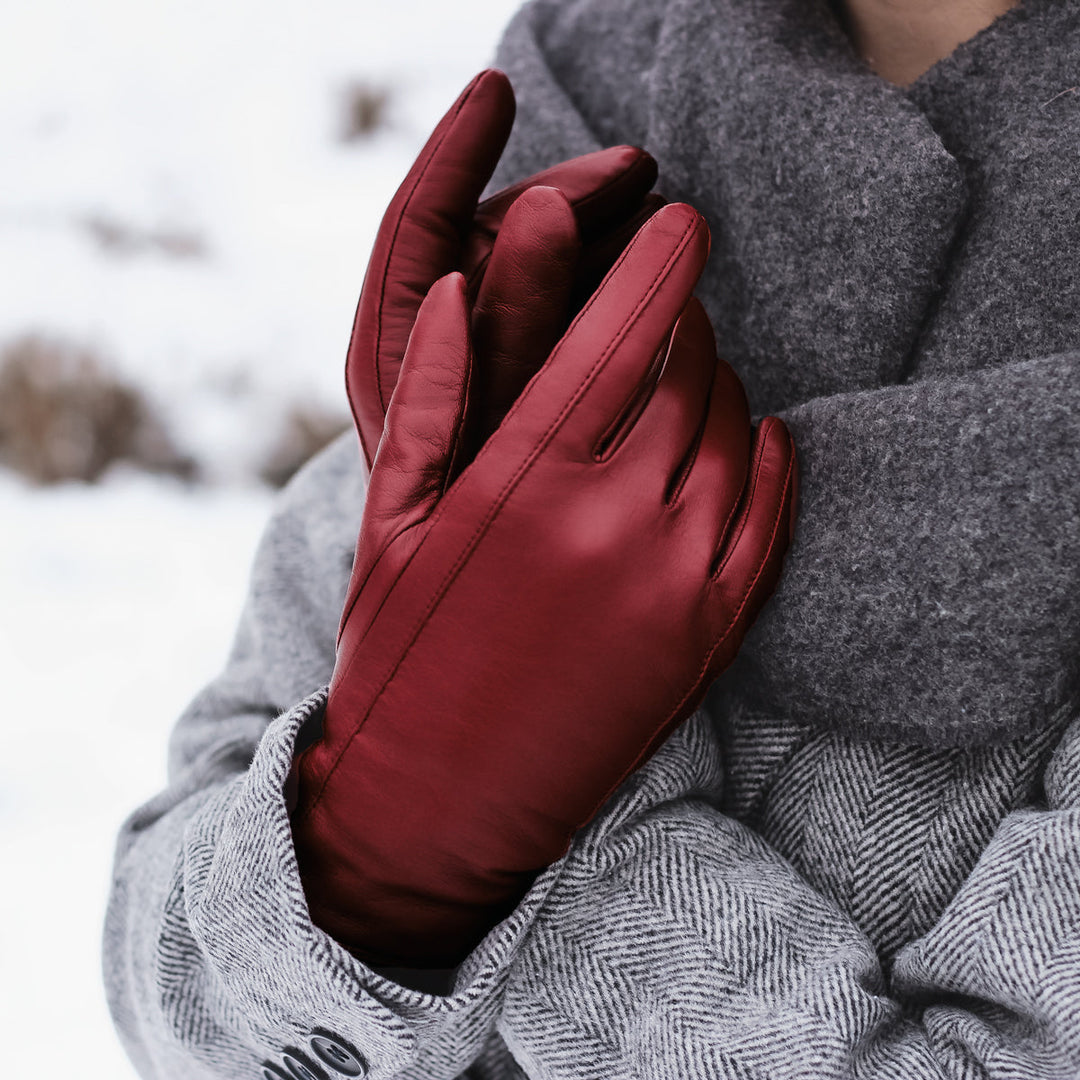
119	238
363	110
305	431
65	416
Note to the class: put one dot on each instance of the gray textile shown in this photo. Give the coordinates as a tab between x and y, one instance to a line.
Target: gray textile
863	858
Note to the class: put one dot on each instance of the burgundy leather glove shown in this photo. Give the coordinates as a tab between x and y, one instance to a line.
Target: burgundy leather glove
516	643
434	225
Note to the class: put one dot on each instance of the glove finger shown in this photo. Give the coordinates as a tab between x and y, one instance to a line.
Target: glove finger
420	240
421	438
750	559
522	307
424	421
715	472
600	254
606	355
661	426
603	187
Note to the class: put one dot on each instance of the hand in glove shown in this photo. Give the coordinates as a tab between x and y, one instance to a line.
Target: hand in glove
516	643
434	226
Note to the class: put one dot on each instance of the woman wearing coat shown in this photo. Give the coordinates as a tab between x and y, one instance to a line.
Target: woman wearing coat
861	856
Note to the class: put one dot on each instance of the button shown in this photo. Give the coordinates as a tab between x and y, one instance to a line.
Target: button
272	1072
299	1069
338	1056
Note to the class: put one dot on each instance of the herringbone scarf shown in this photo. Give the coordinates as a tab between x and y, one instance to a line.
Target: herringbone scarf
894	272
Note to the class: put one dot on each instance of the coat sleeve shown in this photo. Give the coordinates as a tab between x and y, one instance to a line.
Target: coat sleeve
684	946
212	966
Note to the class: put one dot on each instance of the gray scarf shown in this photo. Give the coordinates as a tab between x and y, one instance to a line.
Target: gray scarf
894	272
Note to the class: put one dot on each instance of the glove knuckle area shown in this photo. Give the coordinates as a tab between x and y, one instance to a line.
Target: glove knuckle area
610	350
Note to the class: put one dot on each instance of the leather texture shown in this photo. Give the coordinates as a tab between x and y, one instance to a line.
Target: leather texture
435	225
519	639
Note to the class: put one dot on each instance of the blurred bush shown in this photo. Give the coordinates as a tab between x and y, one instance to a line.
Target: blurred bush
364	106
65	416
116	237
305	430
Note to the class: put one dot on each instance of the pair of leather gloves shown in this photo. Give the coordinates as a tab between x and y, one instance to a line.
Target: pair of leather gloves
570	525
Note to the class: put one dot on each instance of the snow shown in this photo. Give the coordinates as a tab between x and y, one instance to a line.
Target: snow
117	603
218	122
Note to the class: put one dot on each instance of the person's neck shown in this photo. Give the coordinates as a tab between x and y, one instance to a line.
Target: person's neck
901	39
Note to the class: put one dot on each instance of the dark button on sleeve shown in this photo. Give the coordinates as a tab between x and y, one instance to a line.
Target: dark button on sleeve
336	1055
299	1069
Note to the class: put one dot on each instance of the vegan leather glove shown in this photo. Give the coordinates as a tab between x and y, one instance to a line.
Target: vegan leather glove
434	225
516	642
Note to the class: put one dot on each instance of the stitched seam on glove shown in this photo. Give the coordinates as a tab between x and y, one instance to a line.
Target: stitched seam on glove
745	506
686	466
505	494
462	101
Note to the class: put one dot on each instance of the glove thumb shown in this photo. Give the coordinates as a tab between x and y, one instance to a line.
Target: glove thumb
423	432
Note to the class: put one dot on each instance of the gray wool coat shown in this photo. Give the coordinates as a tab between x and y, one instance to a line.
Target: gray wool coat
862	857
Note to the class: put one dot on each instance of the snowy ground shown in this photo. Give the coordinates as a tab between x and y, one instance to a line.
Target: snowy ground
117	603
218	123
